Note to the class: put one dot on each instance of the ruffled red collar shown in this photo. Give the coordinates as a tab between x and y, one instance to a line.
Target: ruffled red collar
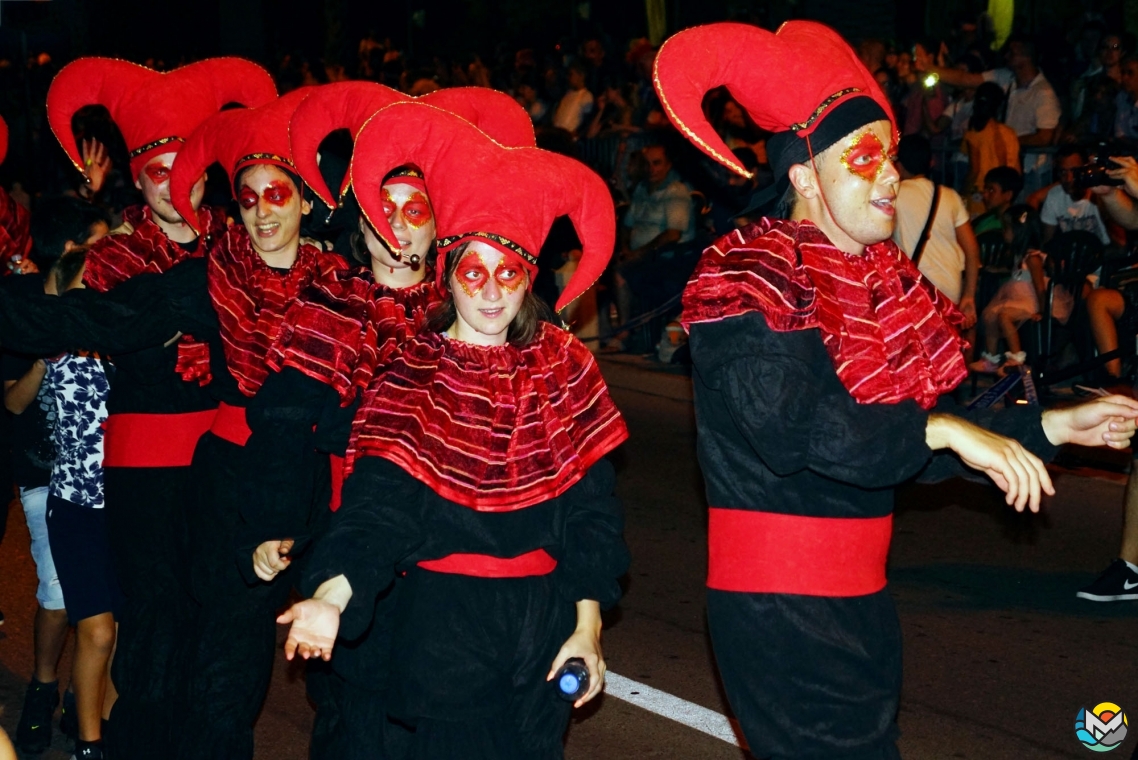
345	327
251	299
495	429
140	245
890	334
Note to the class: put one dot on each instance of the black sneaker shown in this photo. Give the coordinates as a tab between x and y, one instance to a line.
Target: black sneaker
33	734
68	717
1117	583
88	750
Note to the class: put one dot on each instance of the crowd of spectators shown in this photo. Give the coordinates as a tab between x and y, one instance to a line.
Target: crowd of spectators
1004	124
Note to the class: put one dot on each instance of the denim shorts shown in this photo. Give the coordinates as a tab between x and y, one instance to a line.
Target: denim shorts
48	593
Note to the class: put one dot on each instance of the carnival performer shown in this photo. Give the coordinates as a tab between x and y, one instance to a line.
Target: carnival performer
477	461
158	407
820	357
235	299
333	340
15	223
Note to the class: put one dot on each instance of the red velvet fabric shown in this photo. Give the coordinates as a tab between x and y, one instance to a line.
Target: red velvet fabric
346	326
496	428
537	562
785	80
15	231
155	111
890	334
251	300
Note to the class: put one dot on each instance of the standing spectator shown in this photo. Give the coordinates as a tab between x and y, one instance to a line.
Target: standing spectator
60	225
613	112
660	215
1068	207
576	104
1106	64
987	143
600	70
1125	108
1033	108
923	105
950	257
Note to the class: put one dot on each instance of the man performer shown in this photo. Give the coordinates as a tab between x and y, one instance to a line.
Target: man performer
820	354
158	404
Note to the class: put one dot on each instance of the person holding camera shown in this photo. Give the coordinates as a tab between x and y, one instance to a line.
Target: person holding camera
1068	206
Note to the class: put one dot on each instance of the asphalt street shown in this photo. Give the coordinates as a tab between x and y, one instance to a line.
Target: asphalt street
999	654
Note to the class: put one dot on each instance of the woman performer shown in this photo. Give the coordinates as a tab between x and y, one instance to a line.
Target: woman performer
332	340
478	461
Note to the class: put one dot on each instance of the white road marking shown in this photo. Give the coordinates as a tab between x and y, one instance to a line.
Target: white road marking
673	708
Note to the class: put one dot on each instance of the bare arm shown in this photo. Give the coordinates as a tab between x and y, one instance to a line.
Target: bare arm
1035	267
966	238
19	394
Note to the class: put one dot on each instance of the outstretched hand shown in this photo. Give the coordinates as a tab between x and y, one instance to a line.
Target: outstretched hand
1107	421
96	164
315	624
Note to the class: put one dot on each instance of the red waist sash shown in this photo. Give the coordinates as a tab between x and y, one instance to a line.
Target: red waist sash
768	553
337	463
153	440
537	562
229	424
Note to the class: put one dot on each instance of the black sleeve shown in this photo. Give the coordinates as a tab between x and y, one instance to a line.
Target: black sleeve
792	409
1023	423
593	553
145	311
14	366
285	490
378	524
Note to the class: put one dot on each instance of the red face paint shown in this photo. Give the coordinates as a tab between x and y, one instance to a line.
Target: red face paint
277	193
388	204
158	173
866	157
472	274
416	211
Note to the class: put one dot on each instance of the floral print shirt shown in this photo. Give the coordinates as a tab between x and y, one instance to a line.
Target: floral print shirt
79	384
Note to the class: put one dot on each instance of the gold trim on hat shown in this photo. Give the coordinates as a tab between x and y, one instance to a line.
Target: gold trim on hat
822	108
156	144
450	240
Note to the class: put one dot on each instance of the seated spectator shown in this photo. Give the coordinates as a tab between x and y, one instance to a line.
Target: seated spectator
1001	186
1019	299
526	95
1125	107
660	215
613	112
1068	207
733	195
949	256
1096	122
987	143
732	122
576	104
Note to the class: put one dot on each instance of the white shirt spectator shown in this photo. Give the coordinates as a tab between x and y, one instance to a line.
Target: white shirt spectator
652	213
942	262
1030	108
572	110
1062	211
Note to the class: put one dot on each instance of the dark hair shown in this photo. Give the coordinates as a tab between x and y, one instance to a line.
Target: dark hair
1027	232
1071	149
67	267
747	158
58	220
986	105
915	154
1008	178
522	330
359	253
1026	42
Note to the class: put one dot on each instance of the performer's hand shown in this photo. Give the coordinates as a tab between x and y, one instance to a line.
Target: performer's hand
1016	471
1107	421
270	558
585	643
315	624
96	164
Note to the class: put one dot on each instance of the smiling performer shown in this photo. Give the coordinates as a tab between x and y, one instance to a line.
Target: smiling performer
158	404
820	354
332	341
477	460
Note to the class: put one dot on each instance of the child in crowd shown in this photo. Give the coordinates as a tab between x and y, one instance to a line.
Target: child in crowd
76	525
1020	298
